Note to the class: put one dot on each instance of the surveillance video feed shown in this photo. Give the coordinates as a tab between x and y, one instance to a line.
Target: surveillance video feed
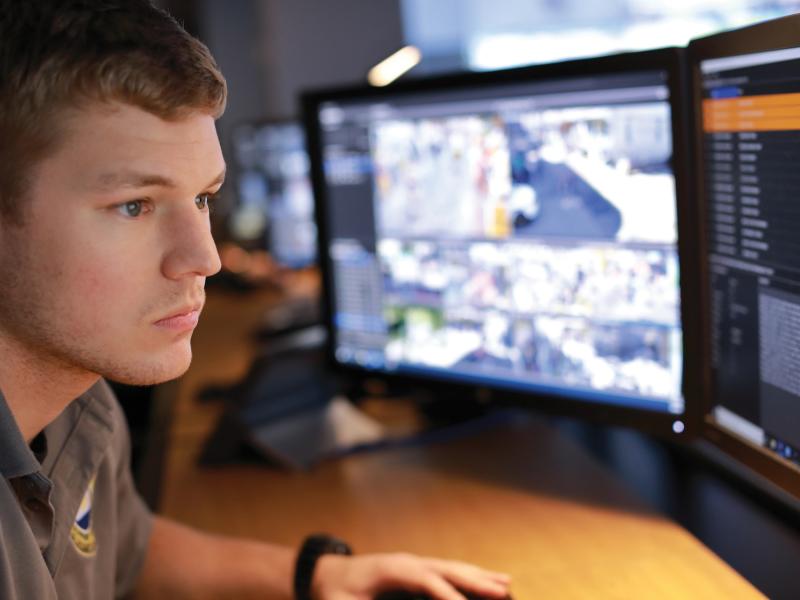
524	238
568	173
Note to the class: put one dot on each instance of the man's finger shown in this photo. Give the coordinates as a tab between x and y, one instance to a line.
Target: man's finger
473	579
439	589
497	575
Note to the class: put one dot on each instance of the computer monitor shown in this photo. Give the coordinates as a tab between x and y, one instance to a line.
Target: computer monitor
747	106
274	198
512	234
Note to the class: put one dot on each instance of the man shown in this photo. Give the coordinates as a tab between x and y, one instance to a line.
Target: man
109	160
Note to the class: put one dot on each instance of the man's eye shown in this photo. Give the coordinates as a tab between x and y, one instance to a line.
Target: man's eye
204	201
133	208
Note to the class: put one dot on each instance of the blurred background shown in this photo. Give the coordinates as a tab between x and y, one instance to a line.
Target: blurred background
272	50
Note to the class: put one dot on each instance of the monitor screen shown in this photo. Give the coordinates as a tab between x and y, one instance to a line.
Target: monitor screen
518	233
750	151
274	197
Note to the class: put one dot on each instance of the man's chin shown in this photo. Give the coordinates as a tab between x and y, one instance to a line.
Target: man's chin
150	373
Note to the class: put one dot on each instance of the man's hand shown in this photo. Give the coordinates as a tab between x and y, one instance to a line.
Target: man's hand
363	577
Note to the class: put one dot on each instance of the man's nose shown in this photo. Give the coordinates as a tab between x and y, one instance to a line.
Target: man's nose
191	248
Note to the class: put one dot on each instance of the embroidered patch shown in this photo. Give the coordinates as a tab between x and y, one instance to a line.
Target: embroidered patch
81	533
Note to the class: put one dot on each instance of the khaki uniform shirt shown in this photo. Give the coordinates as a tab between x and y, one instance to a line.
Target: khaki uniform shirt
71	523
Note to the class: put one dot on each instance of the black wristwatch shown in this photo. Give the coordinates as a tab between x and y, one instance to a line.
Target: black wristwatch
313	547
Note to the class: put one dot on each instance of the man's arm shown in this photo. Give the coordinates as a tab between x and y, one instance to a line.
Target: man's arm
184	563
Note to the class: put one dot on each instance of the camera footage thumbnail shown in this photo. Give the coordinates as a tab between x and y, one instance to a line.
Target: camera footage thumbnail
584	172
534	247
602	318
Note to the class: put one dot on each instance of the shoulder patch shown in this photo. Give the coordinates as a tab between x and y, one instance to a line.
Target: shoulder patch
82	533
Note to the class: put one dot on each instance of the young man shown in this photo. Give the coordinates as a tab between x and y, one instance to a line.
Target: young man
109	159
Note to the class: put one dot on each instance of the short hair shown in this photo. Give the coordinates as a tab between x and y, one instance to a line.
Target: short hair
66	54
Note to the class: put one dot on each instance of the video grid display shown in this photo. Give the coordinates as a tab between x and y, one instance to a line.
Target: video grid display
527	239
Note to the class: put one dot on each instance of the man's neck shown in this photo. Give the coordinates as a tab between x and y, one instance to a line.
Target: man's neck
37	388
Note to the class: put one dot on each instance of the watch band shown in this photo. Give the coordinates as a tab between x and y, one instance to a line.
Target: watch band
313	547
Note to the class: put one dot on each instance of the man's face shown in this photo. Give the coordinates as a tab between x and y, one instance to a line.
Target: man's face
107	273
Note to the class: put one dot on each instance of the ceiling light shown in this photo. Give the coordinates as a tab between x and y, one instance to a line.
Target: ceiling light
392	67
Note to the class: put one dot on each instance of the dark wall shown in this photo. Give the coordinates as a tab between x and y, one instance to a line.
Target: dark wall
232	31
270	50
310	43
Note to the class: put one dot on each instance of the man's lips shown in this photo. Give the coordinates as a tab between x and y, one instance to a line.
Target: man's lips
183	319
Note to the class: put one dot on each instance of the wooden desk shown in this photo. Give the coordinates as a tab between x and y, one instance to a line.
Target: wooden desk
521	499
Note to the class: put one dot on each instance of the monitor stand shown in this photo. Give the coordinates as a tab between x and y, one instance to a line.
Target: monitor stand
293	414
301	439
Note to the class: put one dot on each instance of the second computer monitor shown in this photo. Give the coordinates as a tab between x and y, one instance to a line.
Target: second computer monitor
273	191
514	231
747	98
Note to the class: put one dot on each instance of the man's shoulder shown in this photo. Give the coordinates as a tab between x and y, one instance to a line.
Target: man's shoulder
94	421
102	403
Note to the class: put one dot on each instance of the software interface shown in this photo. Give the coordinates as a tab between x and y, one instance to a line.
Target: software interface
274	190
751	131
521	236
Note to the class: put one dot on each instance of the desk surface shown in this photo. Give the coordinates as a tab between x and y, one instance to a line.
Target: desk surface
521	498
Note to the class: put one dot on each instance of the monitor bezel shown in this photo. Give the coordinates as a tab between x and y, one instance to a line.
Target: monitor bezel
776	34
670	60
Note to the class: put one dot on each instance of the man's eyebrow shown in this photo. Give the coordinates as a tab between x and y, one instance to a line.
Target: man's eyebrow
135	179
131	179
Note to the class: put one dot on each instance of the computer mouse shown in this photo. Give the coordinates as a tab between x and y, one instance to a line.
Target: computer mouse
407	595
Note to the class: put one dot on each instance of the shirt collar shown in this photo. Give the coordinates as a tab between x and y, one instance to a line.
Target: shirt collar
16	457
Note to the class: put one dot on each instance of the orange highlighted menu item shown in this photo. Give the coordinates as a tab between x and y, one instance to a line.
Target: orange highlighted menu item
772	112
